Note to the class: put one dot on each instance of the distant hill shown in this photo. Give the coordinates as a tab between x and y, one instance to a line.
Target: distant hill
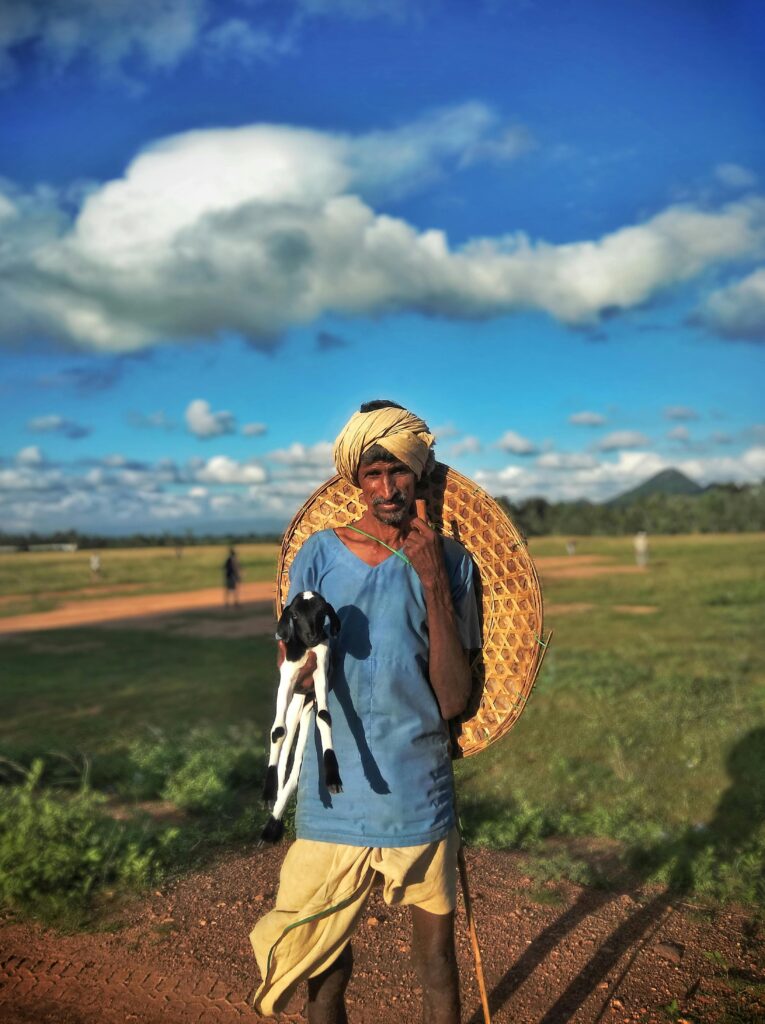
669	481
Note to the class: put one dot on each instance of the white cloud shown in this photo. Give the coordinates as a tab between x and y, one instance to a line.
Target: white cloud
679	433
204	423
601	480
223	502
255	229
595	482
738	311
30	477
515	443
221	469
444	431
124	493
297	455
45	424
507	145
254	429
623	439
749	467
121	40
159	33
566	460
680	412
55	424
30	456
158	420
237	39
735	176
468	445
587	419
396	161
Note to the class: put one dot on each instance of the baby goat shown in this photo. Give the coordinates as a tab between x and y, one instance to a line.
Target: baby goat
302	628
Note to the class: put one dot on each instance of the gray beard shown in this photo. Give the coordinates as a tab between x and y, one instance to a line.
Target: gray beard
390	518
394	518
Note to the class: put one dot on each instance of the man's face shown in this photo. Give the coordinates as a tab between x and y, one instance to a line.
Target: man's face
388	490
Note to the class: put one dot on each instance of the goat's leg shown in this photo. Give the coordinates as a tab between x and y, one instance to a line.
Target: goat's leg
332	779
288	674
292	722
274	828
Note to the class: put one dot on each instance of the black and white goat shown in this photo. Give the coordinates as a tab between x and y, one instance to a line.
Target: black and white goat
302	627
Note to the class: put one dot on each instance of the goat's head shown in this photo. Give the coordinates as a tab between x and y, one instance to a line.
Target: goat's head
305	619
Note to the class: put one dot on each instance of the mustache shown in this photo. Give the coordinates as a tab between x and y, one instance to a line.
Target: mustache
398	498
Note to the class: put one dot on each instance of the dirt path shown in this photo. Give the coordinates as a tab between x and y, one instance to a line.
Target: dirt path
551	955
114	609
82	613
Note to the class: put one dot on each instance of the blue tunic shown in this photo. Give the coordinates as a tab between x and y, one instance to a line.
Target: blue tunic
392	744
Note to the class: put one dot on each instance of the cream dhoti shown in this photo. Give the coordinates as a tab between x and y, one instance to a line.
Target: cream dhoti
323	889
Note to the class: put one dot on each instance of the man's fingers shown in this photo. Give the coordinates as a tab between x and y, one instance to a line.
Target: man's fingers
420	526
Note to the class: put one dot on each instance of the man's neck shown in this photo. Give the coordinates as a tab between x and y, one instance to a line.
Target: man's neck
393	534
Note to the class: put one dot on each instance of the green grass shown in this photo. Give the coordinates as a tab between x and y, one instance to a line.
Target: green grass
649	729
100	720
30	575
645	732
91	692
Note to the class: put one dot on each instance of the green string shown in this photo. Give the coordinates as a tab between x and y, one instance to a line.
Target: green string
539	640
399	554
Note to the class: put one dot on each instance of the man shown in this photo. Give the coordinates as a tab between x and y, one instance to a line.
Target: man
232	576
407	607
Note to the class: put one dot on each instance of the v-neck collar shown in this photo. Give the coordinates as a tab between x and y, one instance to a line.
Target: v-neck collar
361	561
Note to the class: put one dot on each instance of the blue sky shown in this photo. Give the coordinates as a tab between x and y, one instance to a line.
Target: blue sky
225	225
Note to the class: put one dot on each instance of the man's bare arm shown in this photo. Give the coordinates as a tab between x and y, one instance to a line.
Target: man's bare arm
447	663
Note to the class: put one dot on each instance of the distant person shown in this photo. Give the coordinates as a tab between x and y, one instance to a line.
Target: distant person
640	544
232	576
95	566
571	547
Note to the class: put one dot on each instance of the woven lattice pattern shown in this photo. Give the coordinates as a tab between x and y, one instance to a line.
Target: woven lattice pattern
505	668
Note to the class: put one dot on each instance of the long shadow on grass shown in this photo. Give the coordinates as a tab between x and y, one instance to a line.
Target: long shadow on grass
686	862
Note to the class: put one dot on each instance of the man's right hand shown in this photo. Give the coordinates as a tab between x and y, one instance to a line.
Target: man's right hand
304	682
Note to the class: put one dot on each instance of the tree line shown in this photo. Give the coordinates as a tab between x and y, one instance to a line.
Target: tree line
722	508
91	541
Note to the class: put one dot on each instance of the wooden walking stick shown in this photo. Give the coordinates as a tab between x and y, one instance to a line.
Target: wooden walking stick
422	513
462	865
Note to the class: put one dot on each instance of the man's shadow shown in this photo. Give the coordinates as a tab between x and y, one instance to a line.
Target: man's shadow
739	813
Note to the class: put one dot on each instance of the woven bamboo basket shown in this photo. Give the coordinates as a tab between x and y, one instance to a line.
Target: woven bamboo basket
510	606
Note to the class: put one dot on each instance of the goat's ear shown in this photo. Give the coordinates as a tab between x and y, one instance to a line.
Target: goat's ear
285	630
334	621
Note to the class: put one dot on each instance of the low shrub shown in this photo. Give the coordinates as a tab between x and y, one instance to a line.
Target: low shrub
201	770
58	848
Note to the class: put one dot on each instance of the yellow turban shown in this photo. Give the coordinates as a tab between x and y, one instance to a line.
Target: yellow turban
400	432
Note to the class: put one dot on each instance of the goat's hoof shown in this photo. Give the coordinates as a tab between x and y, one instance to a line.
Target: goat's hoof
273	831
332	779
270	787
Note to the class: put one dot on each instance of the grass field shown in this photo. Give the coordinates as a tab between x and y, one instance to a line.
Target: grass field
42	580
645	736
